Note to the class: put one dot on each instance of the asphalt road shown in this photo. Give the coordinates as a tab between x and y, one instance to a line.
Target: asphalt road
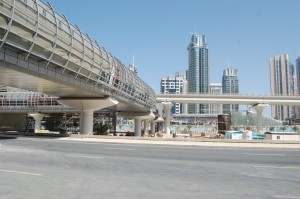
38	168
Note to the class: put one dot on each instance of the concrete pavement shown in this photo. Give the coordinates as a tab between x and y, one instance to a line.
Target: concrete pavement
43	167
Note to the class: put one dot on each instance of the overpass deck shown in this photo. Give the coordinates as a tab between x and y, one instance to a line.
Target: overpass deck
228	99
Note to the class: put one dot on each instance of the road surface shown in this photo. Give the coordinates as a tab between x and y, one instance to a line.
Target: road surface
35	167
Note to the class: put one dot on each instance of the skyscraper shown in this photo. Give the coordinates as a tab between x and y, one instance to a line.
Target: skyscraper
175	85
230	84
293	87
215	89
133	67
280	82
198	72
298	75
297	83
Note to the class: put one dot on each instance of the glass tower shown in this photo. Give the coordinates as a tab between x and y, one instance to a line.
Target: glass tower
297	83
198	72
216	89
298	75
230	84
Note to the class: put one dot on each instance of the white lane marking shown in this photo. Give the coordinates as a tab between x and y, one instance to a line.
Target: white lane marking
290	197
16	142
119	148
20	172
84	156
262	154
276	167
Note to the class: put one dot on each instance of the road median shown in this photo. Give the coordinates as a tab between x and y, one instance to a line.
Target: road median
186	141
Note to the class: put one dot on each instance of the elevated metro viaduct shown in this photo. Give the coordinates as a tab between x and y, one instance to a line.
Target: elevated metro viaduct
257	102
41	51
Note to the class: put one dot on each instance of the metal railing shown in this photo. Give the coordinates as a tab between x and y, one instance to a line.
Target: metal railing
30	102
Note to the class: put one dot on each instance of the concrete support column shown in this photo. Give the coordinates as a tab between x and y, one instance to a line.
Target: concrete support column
259	108
138	123
114	121
167	107
38	118
87	107
138	126
159	121
138	117
86	122
146	126
153	127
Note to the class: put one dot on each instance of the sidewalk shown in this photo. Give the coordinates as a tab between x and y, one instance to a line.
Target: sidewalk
186	141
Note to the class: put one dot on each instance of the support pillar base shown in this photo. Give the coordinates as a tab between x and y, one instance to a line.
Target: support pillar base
38	119
259	108
167	106
87	108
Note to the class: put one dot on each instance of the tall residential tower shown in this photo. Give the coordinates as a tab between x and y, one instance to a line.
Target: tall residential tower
280	82
198	72
298	75
215	89
230	84
175	85
297	84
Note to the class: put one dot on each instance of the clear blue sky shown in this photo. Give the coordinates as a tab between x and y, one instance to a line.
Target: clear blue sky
157	33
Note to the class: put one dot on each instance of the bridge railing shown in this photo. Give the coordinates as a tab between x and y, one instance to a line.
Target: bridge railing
30	101
42	37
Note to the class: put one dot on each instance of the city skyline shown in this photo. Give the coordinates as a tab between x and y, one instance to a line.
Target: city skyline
157	32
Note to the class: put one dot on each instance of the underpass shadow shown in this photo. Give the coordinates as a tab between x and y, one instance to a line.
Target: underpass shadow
15	135
6	137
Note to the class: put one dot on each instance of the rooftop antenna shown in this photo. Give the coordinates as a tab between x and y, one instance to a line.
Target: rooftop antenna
132	67
228	64
132	59
194	33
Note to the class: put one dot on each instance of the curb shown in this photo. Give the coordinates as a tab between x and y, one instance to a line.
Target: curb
185	141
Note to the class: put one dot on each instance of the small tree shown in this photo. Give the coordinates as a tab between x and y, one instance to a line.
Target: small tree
101	129
189	126
296	128
283	128
235	128
185	131
248	128
177	128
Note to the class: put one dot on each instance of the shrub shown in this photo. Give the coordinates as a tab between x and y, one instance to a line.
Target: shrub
101	129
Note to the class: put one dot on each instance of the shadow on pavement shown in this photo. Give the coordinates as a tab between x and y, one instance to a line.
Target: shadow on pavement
6	137
15	135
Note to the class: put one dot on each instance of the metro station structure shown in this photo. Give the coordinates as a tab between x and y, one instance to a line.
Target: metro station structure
41	51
